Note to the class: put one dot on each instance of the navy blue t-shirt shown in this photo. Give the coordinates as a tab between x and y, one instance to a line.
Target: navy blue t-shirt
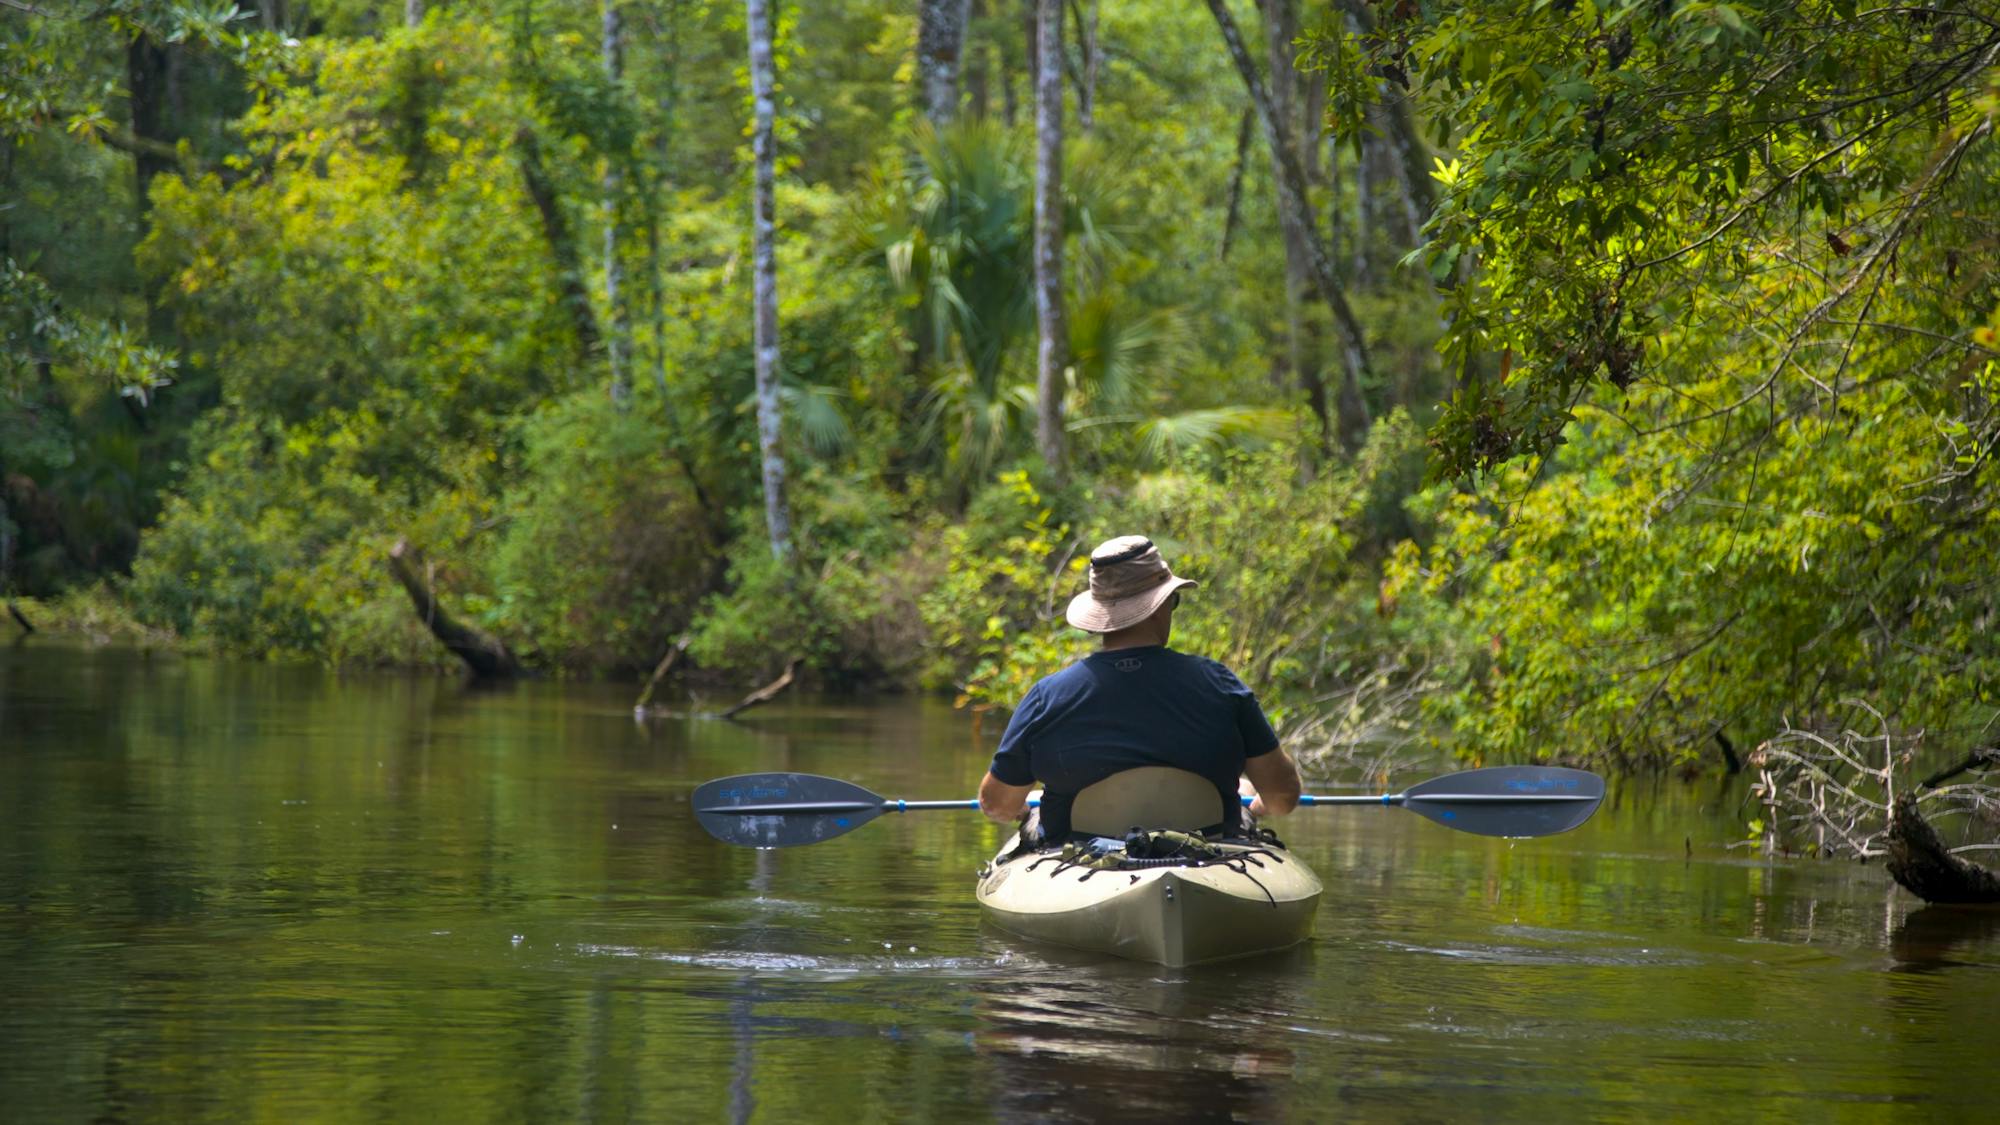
1130	707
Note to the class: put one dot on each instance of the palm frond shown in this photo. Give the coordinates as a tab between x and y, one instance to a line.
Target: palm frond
1119	351
817	412
952	223
1169	436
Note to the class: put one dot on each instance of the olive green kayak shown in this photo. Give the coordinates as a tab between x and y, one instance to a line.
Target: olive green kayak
1217	900
1259	899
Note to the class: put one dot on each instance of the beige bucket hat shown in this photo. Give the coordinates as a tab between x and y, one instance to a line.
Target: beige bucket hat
1128	581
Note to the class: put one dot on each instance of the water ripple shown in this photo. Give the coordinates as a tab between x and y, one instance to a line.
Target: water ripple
1525	955
767	963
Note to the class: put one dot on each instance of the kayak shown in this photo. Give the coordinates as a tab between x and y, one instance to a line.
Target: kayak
1260	899
1207	900
1147	879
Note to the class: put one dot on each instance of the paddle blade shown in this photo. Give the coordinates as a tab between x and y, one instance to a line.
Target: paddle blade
782	810
1509	800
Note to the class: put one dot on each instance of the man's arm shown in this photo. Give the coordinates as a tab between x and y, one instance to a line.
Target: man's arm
1002	803
1276	778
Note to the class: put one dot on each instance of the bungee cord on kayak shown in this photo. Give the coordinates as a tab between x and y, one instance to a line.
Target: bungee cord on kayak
1135	853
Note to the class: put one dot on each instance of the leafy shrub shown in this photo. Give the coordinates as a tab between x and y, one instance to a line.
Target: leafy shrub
1007	566
277	547
607	550
847	608
760	622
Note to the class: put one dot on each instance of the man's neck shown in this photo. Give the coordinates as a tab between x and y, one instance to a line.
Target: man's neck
1138	636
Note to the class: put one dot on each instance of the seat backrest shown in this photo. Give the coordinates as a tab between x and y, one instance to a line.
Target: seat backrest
1146	797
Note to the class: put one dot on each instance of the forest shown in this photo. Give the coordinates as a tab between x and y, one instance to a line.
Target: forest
1535	379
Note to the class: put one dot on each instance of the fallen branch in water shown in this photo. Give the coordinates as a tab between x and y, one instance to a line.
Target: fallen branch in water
766	693
756	698
486	655
1838	793
14	611
1926	868
1977	760
660	671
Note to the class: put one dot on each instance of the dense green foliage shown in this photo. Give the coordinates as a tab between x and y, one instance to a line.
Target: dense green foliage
1727	365
1701	335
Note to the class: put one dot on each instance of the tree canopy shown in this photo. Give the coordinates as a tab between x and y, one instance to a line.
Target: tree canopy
1530	378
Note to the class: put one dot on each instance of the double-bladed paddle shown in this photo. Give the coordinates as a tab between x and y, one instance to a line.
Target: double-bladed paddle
785	810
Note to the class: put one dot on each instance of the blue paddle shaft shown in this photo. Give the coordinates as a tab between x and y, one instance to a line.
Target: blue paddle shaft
1469	798
1305	800
782	810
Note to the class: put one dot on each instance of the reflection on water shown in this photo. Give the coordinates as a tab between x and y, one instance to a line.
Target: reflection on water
1931	938
232	892
1080	1039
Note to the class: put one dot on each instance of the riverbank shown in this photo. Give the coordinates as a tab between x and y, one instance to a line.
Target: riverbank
93	613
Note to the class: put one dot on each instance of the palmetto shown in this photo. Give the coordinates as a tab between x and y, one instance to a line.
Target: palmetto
952	226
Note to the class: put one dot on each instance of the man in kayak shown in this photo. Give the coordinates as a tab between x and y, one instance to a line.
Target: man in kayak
1135	702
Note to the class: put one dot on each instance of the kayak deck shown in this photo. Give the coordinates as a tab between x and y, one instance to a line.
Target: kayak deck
1258	898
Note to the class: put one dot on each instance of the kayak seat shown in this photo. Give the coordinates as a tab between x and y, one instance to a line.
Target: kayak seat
1147	797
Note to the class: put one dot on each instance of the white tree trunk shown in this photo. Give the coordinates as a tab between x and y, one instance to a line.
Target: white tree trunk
764	274
1053	356
413	12
940	44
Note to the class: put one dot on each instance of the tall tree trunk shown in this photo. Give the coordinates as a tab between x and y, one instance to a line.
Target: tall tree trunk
1086	85
413	12
1053	355
6	547
146	89
1404	153
1359	272
151	92
1234	211
1332	197
1010	104
656	309
940	43
6	192
1030	18
562	243
1393	117
1281	27
1301	359
663	157
1364	276
764	272
620	344
1312	124
1352	407
976	54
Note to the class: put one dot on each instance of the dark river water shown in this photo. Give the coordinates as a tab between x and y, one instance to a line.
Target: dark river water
240	892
